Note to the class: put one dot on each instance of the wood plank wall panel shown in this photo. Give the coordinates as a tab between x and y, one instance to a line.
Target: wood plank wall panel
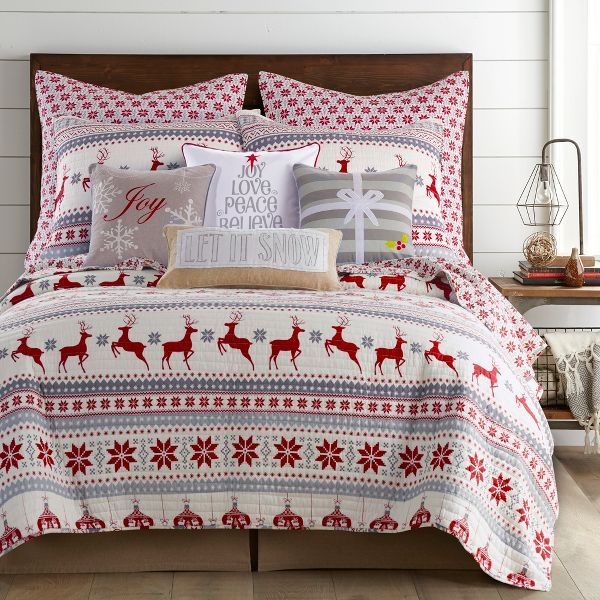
508	39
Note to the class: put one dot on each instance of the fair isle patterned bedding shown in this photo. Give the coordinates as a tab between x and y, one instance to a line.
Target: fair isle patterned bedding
404	401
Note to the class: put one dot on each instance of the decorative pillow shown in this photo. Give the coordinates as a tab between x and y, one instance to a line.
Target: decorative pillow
80	143
296	103
59	95
265	258
418	144
131	208
253	190
372	210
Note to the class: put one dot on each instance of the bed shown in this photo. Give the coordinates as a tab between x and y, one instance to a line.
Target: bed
334	452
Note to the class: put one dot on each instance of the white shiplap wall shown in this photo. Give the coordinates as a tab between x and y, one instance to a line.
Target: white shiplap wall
508	38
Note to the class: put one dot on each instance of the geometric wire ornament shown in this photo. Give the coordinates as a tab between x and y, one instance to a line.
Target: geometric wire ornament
542	201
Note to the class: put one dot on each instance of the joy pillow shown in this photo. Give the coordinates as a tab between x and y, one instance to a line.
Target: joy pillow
252	190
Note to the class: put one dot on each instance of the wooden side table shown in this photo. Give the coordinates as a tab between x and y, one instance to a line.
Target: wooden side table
526	297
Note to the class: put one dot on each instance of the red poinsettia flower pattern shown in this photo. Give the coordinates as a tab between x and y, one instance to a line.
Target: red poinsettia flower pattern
204	451
121	455
10	455
499	488
164	453
411	460
371	457
45	453
441	456
476	468
79	459
542	545
329	454
287	452
245	450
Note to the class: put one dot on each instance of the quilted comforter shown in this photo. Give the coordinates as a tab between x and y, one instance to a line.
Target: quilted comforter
404	401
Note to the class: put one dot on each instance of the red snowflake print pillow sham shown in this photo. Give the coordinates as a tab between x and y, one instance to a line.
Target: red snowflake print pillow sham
300	104
59	95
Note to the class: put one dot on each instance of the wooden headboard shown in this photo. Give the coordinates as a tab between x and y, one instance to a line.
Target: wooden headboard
356	74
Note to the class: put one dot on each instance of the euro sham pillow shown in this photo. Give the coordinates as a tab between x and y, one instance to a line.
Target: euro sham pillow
300	104
58	95
131	209
419	144
80	143
252	190
260	258
373	211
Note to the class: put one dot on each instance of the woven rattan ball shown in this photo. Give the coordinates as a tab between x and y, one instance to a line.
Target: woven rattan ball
540	248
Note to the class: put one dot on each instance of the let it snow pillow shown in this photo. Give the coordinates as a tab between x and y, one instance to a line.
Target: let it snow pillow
372	210
145	147
131	208
252	190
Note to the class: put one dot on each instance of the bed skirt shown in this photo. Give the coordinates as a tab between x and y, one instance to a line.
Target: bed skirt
167	550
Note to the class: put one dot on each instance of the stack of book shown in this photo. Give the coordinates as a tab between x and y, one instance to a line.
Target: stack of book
554	273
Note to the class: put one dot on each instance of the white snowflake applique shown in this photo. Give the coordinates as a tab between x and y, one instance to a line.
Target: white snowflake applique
119	239
104	193
186	215
182	185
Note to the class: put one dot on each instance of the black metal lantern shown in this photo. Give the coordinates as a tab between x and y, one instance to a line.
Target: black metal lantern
543	201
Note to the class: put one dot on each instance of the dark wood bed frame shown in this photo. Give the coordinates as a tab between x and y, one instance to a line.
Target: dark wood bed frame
362	74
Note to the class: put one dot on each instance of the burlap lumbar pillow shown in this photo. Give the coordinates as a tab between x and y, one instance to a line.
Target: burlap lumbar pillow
271	258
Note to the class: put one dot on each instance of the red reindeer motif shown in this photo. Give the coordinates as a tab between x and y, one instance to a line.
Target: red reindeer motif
79	350
233	341
434	352
24	349
440	284
431	189
125	344
101	157
65	284
358	280
119	281
156	155
291	345
152	284
347	156
183	345
523	402
61	192
491	374
397	280
395	353
24	295
338	341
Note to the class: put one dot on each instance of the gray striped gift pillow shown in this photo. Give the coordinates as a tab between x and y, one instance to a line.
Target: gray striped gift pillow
372	210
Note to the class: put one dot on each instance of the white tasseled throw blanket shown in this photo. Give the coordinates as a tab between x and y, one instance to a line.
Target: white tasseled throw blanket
577	356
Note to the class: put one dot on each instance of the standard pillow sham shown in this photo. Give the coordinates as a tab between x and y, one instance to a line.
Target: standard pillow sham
131	208
58	95
80	143
342	151
373	211
300	104
252	190
285	258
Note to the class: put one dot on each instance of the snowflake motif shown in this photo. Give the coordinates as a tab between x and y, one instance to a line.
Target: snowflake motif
419	180
89	279
441	456
121	455
154	338
105	191
259	335
186	215
204	451
139	280
44	285
75	178
172	165
315	336
416	347
78	459
207	335
542	545
120	238
371	457
182	185
499	488
329	454
461	355
102	340
245	451
476	468
50	344
45	453
524	513
287	452
411	461
10	455
3	353
367	341
164	454
124	167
